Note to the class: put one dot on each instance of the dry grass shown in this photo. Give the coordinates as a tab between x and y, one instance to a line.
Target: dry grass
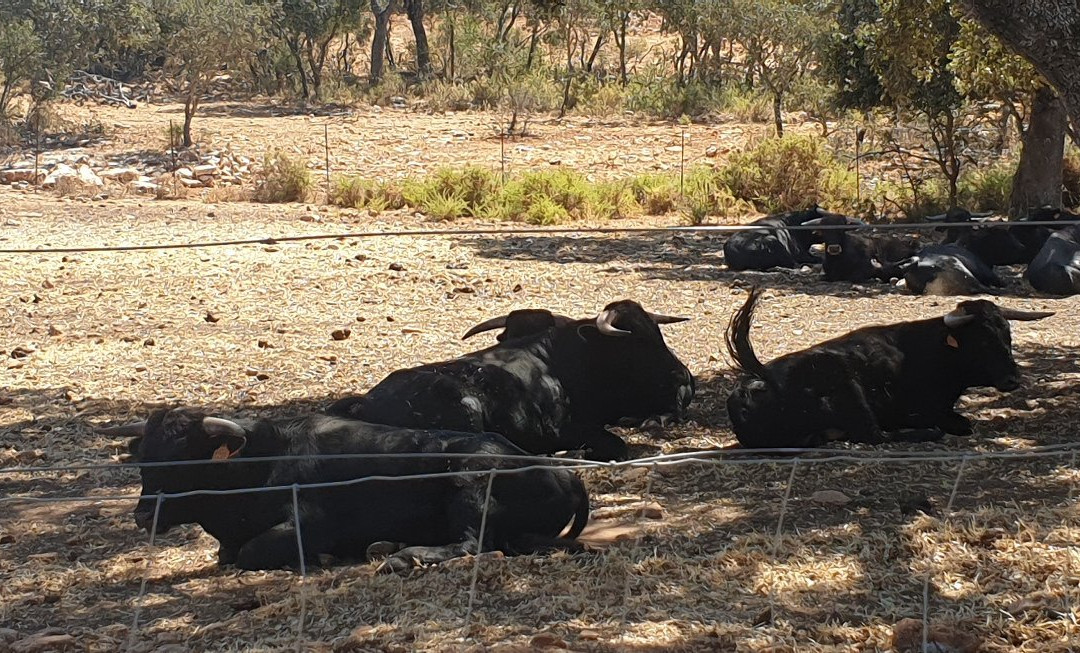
111	335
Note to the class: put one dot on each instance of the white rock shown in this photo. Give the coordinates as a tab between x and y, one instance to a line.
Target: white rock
184	172
141	186
59	172
189	182
207	169
830	497
14	175
88	176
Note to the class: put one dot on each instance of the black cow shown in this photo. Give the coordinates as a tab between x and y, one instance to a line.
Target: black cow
439	518
1056	268
545	388
1000	245
902	379
775	246
858	257
947	270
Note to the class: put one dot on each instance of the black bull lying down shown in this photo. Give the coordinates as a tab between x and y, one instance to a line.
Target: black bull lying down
901	379
551	384
437	518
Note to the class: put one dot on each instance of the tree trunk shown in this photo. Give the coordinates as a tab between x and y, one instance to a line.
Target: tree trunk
1039	176
778	119
415	11
620	40
534	39
1047	33
191	104
382	10
294	49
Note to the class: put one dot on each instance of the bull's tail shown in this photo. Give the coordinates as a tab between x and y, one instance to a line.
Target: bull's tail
737	338
581	515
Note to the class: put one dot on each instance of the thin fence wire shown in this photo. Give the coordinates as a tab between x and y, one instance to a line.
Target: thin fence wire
479	550
667	460
930	565
536	231
754	456
146	574
651	464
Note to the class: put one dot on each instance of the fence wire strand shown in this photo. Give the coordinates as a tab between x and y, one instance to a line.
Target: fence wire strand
524	231
930	566
479	550
146	574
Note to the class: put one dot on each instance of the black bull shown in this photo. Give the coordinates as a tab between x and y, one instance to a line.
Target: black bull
902	379
437	518
775	245
551	384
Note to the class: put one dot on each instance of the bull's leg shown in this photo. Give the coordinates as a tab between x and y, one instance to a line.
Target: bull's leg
277	548
413	556
848	405
603	445
955	423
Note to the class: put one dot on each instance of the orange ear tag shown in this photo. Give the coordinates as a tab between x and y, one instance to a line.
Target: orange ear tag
223	453
949	340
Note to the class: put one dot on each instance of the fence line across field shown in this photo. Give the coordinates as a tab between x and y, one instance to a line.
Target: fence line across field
777	456
536	231
652	463
702	457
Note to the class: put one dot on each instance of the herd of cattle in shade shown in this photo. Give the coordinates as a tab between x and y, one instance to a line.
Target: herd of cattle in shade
404	469
962	263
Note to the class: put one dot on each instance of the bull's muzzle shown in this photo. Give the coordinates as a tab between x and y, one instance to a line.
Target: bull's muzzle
835	250
1008	384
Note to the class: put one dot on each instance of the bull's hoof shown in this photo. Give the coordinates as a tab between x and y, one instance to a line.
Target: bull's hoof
383	549
396	564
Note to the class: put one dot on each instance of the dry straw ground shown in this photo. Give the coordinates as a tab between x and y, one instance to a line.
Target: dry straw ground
95	338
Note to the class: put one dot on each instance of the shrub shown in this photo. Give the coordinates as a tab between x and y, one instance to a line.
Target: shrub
283	179
613	200
444	206
544	210
657	194
744	105
986	189
784	174
603	101
447	96
1070	181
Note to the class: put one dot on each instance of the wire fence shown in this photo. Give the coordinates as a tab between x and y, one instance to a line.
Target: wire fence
531	231
797	459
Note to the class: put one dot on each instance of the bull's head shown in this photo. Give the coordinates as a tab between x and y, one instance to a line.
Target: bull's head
630	371
519	323
176	435
835	233
979	332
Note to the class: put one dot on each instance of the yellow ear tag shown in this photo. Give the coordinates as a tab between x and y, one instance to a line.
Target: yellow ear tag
223	453
949	340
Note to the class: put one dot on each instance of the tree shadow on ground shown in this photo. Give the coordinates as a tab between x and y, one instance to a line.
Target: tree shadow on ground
273	110
712	568
688	257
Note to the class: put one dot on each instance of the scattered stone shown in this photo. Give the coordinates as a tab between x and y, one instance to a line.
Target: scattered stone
89	177
22	352
908	638
547	640
53	331
340	334
59	172
36	643
830	498
211	318
651	510
8	634
397	267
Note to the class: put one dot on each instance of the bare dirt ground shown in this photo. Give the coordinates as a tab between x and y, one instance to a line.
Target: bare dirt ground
94	338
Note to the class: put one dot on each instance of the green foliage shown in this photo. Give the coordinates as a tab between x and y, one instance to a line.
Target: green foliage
744	105
21	56
606	101
657	94
784	174
987	189
283	179
656	194
363	193
391	85
1070	182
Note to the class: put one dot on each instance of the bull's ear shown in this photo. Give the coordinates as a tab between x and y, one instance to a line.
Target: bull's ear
228	435
958	317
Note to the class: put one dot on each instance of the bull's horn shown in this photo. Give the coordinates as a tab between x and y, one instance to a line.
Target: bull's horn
604	324
486	325
125	430
936	218
665	319
957	318
223	427
1026	316
813	223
